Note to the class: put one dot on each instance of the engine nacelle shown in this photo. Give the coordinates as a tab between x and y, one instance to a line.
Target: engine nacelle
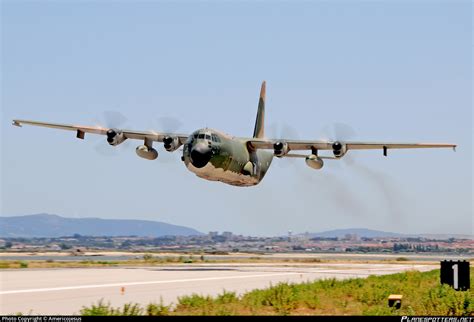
171	143
339	149
280	149
146	153
115	137
315	162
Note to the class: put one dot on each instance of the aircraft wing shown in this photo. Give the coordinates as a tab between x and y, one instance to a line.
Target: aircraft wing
298	145
81	130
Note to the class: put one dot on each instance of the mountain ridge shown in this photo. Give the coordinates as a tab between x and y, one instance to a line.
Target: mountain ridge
51	225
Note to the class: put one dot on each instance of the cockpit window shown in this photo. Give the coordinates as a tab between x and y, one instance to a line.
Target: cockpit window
208	137
201	136
195	135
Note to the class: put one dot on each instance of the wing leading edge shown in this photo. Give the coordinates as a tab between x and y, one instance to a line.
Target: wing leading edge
255	143
299	145
81	130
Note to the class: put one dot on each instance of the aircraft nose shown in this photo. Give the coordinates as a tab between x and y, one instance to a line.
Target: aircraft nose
200	155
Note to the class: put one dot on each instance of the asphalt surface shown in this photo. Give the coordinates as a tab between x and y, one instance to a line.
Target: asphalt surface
120	256
65	291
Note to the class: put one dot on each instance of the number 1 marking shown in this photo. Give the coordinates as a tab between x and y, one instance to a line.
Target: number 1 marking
455	271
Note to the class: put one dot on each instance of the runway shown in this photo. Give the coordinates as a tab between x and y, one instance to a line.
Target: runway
65	291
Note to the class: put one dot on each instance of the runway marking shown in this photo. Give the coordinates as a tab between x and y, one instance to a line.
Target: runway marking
52	289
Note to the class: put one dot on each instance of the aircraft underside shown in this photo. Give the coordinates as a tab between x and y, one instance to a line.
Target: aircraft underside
211	173
234	165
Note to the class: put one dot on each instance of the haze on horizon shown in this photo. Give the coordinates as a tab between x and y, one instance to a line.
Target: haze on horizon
393	71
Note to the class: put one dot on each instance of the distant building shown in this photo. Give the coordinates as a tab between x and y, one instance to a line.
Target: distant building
19	246
213	234
227	234
351	237
306	237
54	247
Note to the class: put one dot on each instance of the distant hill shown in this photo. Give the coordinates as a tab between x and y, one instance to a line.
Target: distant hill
45	225
369	233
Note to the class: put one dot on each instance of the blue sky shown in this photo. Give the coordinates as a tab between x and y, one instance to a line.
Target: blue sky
394	71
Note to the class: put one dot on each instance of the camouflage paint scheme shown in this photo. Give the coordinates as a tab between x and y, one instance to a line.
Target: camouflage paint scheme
231	160
216	156
234	161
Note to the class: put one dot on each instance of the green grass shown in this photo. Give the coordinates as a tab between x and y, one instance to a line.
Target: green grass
101	308
422	295
129	309
13	264
402	259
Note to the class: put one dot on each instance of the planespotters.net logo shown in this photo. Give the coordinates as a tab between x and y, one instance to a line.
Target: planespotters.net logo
436	319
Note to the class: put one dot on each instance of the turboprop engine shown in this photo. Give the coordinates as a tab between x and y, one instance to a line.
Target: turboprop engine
146	152
171	143
339	149
315	162
280	149
115	137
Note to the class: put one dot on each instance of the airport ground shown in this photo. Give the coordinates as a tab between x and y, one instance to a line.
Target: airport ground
55	283
129	258
65	291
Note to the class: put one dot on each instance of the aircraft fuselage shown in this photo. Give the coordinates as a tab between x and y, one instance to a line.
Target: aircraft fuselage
215	156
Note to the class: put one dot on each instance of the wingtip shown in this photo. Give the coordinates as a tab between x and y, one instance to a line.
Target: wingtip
16	123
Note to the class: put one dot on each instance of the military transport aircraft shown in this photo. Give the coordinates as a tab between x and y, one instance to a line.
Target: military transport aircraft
216	156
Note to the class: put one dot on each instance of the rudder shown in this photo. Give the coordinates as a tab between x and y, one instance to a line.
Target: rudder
259	131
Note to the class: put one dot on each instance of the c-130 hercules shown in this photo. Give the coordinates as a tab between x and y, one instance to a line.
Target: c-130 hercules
238	161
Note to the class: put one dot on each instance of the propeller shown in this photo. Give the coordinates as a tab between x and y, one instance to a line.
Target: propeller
166	124
281	130
114	119
111	120
340	132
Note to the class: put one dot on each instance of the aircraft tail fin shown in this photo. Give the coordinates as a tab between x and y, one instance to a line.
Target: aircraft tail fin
259	131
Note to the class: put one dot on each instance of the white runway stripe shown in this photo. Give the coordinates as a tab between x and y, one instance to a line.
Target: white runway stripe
52	289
